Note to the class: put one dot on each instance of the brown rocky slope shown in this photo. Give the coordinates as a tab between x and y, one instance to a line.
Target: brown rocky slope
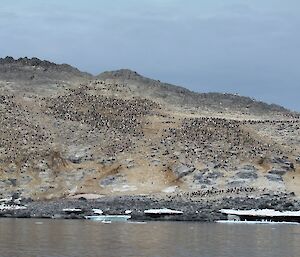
65	133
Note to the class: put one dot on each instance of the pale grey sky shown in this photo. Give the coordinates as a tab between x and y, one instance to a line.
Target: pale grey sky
250	47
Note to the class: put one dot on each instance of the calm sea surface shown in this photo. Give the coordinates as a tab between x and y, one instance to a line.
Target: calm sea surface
32	238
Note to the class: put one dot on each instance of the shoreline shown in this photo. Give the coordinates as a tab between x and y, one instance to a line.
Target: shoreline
201	210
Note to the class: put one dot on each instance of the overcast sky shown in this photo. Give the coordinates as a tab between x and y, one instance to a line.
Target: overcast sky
250	47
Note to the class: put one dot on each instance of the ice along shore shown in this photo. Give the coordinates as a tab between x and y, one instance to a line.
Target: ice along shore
203	210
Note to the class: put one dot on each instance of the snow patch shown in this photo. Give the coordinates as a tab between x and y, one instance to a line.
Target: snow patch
125	188
162	211
71	210
263	213
4	207
169	189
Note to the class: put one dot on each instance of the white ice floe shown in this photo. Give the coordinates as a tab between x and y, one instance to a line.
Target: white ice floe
261	213
171	189
71	210
257	222
162	211
97	211
6	199
4	207
17	201
109	218
124	188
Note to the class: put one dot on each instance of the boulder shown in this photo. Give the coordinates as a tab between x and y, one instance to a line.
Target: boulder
79	155
107	181
236	183
15	195
42	166
76	158
107	161
13	181
284	163
3	184
9	182
110	180
201	178
182	170
280	160
247	174
24	180
155	162
129	163
45	174
277	172
214	175
288	165
274	177
11	168
249	167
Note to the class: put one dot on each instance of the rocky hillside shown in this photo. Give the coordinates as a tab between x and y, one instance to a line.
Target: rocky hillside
66	134
180	96
26	74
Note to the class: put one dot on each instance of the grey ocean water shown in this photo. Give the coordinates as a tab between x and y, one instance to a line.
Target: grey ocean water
72	238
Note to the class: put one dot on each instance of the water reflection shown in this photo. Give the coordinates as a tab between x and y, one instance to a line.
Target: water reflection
87	238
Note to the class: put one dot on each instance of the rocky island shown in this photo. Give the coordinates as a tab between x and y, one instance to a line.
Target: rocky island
121	142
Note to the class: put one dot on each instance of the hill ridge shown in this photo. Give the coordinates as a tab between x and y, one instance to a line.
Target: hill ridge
175	94
39	70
